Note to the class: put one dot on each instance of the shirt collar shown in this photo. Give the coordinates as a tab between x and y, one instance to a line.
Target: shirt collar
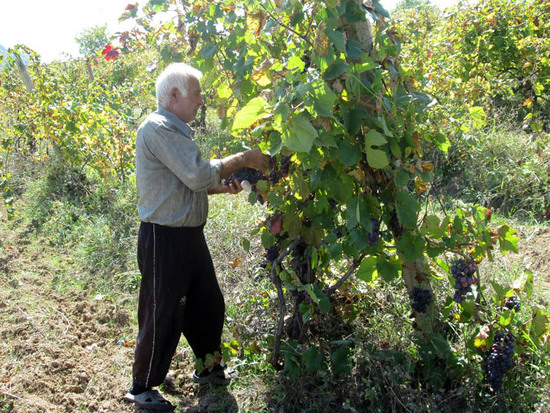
182	126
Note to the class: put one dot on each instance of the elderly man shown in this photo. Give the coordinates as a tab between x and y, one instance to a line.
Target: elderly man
179	292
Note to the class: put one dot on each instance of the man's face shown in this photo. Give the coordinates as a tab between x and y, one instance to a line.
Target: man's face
186	107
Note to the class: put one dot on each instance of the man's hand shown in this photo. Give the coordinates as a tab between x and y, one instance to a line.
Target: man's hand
253	158
256	159
233	188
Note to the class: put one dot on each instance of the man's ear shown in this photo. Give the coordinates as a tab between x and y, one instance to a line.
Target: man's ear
174	92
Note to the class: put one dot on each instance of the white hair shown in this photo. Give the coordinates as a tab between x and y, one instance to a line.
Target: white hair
176	75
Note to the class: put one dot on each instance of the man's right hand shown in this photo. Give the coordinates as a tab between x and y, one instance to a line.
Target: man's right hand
255	158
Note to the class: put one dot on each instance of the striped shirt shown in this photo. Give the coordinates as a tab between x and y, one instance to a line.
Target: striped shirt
172	178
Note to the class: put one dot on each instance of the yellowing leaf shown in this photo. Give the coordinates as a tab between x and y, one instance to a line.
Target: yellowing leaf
427	166
235	263
249	114
254	23
321	40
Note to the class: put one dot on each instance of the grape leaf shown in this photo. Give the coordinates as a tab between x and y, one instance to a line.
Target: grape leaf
411	246
292	364
320	99
354	49
388	268
245	242
540	322
313	359
508	241
348	153
209	50
407	208
505	317
337	37
341	361
367	269
249	114
342	189
336	69
376	158
318	297
299	134
441	346
292	225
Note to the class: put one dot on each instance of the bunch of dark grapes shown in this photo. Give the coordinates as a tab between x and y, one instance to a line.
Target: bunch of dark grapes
275	176
278	171
395	225
272	253
252	176
499	359
464	274
421	299
372	237
513	303
245	174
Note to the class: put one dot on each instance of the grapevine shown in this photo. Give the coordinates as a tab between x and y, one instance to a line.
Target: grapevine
346	128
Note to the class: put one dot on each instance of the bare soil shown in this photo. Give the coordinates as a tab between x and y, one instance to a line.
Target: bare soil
71	350
534	254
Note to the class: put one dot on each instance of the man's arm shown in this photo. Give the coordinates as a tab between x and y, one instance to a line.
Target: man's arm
253	158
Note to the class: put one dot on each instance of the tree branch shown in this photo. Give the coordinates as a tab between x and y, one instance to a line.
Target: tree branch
342	280
274	276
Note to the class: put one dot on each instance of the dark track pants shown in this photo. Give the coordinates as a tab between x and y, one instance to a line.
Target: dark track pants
179	293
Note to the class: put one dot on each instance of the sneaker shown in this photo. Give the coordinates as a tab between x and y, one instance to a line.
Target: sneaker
219	375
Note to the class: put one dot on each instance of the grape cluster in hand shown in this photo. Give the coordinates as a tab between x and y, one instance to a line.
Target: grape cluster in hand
421	299
245	174
499	359
252	176
464	274
372	237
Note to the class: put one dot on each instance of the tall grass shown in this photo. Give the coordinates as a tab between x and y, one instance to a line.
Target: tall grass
503	168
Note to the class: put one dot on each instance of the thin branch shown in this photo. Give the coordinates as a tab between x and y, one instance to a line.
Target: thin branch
286	26
274	276
348	274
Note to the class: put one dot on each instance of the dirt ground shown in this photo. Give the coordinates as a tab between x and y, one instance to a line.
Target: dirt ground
534	254
62	351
